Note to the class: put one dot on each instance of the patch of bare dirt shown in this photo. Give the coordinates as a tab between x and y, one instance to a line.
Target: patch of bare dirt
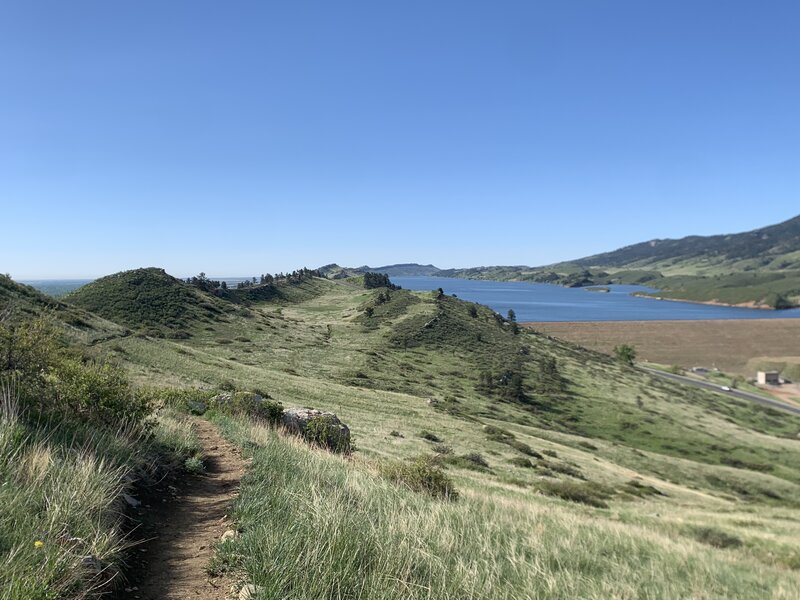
183	523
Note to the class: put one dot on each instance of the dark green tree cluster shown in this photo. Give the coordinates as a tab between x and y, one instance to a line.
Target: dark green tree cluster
506	384
549	380
201	282
625	354
378	280
295	276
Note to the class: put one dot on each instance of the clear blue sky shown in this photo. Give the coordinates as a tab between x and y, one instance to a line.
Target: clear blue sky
246	137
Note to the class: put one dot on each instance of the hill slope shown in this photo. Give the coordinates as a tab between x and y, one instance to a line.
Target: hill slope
776	247
527	426
149	298
18	301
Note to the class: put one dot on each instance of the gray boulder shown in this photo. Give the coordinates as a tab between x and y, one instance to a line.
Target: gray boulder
318	427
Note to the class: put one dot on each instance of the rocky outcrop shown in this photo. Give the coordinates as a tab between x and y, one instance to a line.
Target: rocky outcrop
318	427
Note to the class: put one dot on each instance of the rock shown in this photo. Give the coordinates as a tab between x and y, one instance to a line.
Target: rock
230	534
223	400
131	501
196	407
317	427
249	592
92	564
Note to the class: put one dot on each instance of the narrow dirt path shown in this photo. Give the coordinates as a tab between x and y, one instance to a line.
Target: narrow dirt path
184	529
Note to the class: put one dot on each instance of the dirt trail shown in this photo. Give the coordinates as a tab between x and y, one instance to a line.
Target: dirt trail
186	526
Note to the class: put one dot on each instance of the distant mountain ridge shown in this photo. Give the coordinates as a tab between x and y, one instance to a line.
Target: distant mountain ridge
758	268
774	247
334	271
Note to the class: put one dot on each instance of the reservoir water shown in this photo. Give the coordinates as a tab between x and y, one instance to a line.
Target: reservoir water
547	302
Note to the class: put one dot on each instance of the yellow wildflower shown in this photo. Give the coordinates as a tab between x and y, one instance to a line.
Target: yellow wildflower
38	544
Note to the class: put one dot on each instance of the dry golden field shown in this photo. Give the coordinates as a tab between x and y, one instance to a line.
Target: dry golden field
725	344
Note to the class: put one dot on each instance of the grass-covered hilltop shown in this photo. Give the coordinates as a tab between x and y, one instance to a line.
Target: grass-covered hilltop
485	460
758	268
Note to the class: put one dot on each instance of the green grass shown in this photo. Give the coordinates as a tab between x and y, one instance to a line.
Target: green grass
61	489
587	432
318	526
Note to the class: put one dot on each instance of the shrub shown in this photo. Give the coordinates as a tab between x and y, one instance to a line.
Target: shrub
431	437
524	449
396	434
625	353
194	464
589	493
423	474
248	403
716	537
442	449
324	432
521	461
497	434
99	391
562	468
473	461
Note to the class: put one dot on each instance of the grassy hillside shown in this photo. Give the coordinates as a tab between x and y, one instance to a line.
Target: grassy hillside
149	299
75	438
19	302
153	301
580	449
776	247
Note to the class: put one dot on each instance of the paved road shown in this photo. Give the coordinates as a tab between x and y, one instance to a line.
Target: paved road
776	404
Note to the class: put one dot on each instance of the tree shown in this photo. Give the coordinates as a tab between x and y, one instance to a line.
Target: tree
378	280
224	285
512	316
369	311
473	311
625	353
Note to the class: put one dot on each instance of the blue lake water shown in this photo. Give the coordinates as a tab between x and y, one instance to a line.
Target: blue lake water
546	302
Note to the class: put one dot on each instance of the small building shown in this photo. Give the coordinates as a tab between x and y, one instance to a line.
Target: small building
768	378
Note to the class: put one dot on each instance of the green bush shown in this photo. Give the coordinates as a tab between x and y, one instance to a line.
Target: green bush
98	391
716	537
56	381
524	449
423	474
324	432
194	464
248	403
473	461
589	493
431	437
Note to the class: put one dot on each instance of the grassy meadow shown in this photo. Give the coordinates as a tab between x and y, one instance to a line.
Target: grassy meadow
613	470
572	475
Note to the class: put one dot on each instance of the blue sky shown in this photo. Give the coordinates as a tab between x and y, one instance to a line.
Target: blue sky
246	137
